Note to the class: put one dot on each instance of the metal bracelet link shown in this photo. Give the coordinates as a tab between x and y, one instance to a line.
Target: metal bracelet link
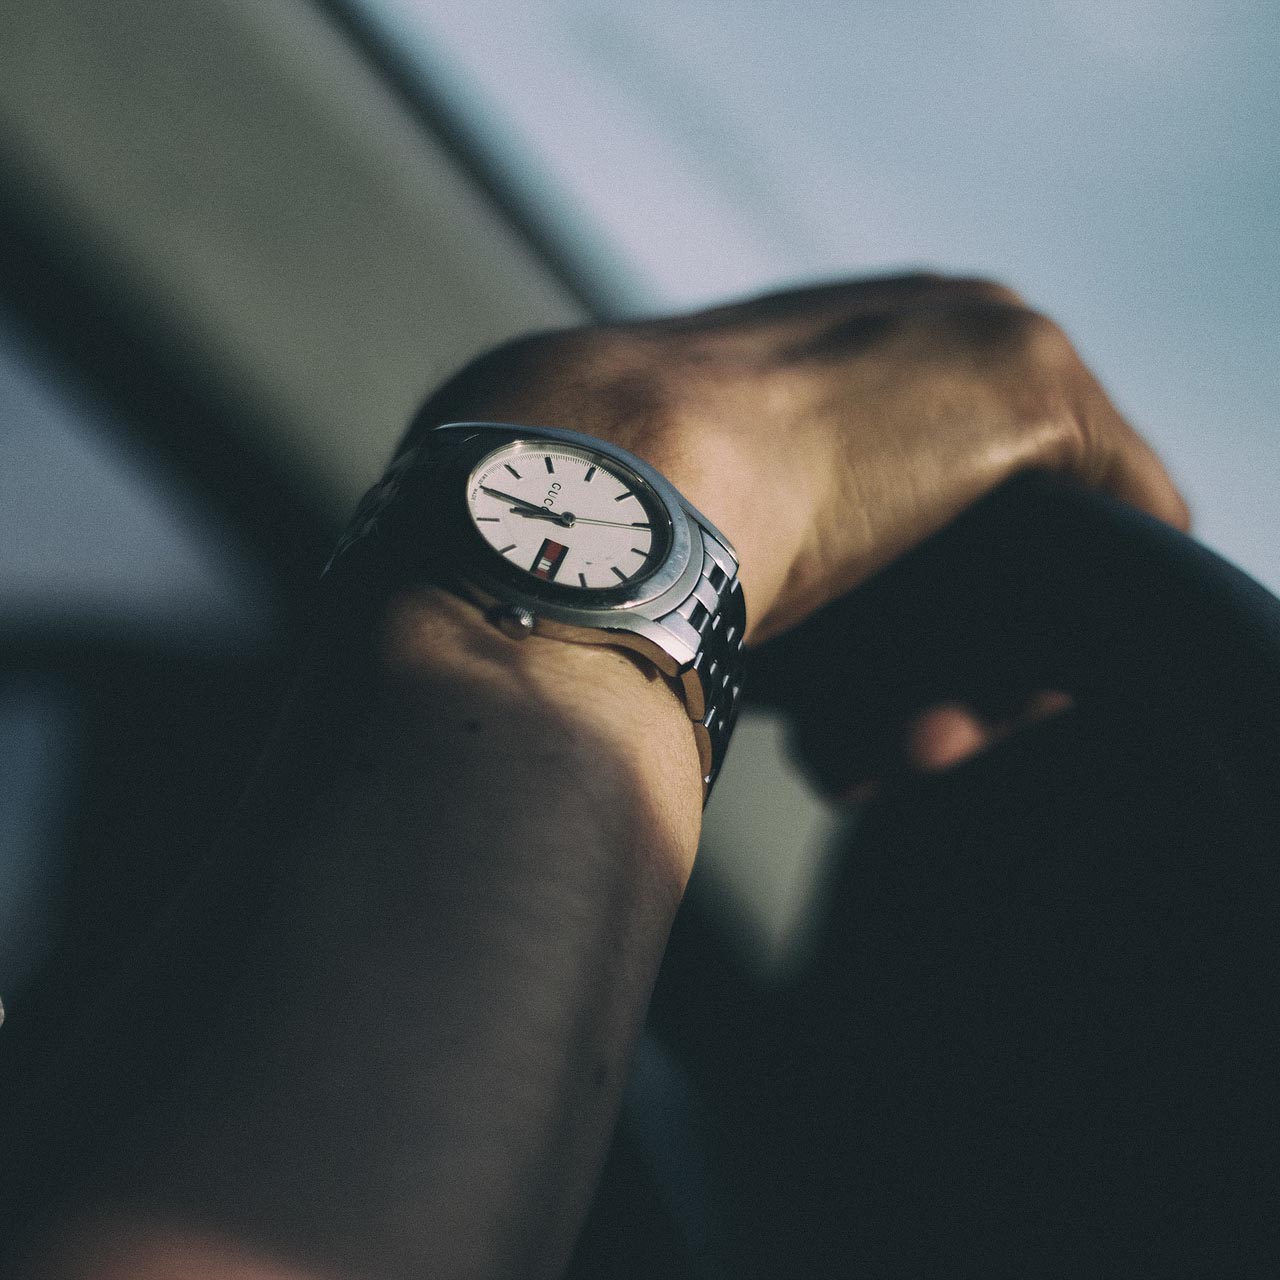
716	611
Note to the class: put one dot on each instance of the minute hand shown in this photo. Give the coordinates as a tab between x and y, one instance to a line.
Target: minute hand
567	518
614	524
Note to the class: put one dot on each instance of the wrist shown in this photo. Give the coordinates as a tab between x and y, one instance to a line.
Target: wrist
506	514
614	727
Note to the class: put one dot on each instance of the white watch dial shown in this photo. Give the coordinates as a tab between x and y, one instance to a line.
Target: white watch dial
565	514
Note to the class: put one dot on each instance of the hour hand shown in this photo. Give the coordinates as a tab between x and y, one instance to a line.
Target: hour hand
509	497
544	513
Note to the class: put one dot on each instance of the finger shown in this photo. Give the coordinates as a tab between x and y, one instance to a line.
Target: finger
951	733
944	736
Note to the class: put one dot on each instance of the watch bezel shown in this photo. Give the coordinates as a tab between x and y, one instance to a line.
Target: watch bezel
483	567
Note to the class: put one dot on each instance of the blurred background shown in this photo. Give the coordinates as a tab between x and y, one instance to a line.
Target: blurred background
239	242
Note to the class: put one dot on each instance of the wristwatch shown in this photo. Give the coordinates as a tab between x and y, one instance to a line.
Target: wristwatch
557	533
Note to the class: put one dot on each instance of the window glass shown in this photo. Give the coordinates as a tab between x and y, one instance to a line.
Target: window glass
96	546
94	537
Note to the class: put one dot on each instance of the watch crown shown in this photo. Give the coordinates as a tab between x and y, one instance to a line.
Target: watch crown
514	621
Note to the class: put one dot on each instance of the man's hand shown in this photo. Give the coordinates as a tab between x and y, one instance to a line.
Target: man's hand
828	430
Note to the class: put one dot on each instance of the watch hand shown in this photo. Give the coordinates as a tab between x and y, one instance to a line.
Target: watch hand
510	497
613	524
566	518
535	512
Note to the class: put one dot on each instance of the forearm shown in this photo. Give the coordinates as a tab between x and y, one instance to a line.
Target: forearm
418	1065
427	952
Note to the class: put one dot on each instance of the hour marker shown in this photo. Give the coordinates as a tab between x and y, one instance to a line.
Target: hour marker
513	471
487	519
502	551
636	551
626	493
582	577
549	466
587	480
622	576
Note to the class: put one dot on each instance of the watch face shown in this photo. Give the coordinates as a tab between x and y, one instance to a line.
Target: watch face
567	515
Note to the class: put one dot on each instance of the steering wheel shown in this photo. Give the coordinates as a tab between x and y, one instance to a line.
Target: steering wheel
1044	585
1040	1032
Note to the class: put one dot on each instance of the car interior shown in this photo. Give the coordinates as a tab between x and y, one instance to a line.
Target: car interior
1017	1018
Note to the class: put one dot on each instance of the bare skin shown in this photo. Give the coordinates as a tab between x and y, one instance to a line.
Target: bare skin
828	430
893	403
469	867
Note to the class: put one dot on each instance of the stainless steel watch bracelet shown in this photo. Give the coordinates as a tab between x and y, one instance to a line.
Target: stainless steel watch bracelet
711	621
